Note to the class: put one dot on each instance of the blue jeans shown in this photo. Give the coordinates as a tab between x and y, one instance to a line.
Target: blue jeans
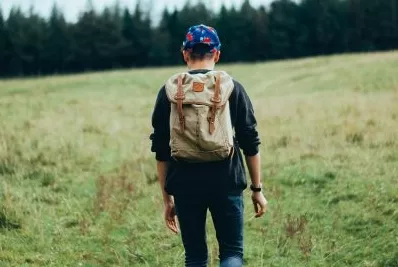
227	214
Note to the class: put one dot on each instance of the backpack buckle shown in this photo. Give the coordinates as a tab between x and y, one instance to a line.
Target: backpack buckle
179	97
215	100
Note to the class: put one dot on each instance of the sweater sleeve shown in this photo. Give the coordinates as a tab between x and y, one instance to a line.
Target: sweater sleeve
161	129
245	126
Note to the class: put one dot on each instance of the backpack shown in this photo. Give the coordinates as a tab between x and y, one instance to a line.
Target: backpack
200	122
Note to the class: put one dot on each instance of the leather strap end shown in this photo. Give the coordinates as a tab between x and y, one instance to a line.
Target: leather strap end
212	127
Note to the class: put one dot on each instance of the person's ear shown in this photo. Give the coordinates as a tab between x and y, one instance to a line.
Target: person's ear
185	56
217	56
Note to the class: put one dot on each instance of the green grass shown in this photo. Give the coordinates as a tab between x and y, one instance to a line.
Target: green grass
78	182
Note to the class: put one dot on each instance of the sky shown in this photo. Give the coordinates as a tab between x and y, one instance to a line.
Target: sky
72	8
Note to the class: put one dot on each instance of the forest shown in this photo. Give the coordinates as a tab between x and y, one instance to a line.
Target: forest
117	37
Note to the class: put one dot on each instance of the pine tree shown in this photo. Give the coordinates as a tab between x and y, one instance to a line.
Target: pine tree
109	40
128	33
246	28
137	34
195	14
176	32
222	27
380	23
16	24
160	53
84	50
57	54
261	35
34	37
287	35
324	21
98	39
143	39
227	26
3	50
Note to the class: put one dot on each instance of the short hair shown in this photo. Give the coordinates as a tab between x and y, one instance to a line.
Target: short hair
200	52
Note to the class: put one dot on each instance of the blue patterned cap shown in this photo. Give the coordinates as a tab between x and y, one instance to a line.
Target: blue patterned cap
202	34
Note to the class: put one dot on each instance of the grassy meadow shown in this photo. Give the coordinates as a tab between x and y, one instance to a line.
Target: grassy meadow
78	184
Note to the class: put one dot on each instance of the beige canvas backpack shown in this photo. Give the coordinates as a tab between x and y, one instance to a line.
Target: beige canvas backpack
200	122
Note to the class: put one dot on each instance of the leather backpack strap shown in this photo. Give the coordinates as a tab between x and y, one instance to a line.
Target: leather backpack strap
180	96
217	91
216	99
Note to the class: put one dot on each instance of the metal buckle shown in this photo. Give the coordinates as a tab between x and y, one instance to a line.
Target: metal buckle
215	100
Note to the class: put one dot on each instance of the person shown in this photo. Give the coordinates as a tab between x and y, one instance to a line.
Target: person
190	189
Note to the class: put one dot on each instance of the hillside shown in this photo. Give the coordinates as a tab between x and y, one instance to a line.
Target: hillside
78	182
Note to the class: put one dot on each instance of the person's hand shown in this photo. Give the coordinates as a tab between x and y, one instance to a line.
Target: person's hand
171	217
260	203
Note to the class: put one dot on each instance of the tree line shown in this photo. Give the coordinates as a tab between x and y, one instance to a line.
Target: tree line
117	37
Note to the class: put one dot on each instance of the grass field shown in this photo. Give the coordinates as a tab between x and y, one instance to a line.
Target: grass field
78	185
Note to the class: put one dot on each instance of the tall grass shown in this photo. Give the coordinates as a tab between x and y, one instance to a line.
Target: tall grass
78	185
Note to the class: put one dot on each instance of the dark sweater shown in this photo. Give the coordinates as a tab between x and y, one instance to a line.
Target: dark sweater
226	176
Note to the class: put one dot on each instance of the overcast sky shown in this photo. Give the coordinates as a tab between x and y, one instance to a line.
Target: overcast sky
72	8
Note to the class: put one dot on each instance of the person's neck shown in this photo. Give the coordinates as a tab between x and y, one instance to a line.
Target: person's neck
201	65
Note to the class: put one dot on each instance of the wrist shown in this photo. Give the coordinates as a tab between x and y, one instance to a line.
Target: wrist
256	187
257	184
167	200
